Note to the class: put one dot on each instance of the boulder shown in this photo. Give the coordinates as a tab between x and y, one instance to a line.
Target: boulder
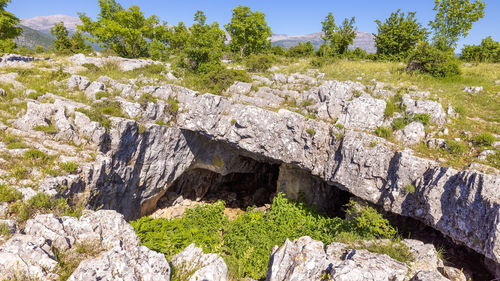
240	88
363	113
78	82
94	88
411	134
472	90
199	266
433	108
428	276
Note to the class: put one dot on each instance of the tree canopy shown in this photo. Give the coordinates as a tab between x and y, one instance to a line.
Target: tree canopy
453	20
126	32
398	35
249	31
8	27
337	38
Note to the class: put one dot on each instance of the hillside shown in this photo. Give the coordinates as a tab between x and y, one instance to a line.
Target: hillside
363	40
31	38
44	23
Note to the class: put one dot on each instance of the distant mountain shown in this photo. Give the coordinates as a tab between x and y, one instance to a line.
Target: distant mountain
363	40
45	23
31	38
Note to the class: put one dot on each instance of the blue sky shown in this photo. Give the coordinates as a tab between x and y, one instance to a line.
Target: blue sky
285	17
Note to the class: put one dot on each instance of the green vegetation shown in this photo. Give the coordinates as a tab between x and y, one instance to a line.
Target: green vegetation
311	131
456	147
398	35
453	20
246	242
12	141
336	38
68	260
484	139
43	203
488	51
9	194
50	128
410	188
384	132
126	32
259	63
68	45
9	28
430	59
249	32
68	167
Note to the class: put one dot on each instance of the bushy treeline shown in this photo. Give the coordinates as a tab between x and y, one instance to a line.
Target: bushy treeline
201	47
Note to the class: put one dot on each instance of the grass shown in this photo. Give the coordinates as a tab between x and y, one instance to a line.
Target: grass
43	203
68	261
246	242
12	141
384	132
68	167
311	132
9	194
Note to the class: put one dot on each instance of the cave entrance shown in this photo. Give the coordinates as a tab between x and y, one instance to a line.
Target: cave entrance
238	190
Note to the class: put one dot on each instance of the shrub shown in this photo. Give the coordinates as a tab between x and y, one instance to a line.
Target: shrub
410	188
260	63
311	131
9	194
301	50
34	154
220	79
485	139
400	123
455	147
367	222
43	203
145	99
384	132
423	118
172	106
68	167
429	59
488	51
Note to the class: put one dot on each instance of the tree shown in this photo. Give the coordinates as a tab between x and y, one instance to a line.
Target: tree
179	36
453	20
345	36
398	35
204	46
426	58
328	28
8	28
488	51
249	31
126	32
62	42
301	50
337	38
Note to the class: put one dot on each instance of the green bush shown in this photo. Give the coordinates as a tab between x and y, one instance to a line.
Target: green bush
260	63
34	154
384	132
400	123
246	242
423	118
68	167
485	139
488	51
43	203
456	147
301	50
429	59
9	194
220	79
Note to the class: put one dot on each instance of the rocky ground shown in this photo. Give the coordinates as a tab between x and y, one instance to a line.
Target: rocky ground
120	144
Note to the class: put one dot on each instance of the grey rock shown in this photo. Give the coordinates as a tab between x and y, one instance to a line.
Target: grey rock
240	88
2	92
411	134
79	82
261	79
94	88
365	113
472	90
425	257
279	77
11	225
302	259
428	276
436	143
362	265
485	154
434	109
200	266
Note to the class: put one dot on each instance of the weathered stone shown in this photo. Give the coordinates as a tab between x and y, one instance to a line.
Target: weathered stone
94	88
365	113
302	259
79	82
434	109
428	276
411	134
240	88
279	77
472	90
199	266
425	257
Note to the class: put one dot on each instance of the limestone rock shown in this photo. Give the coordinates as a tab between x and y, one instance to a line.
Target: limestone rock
411	134
79	82
365	113
240	88
428	276
472	90
434	109
94	88
279	77
302	259
201	266
362	265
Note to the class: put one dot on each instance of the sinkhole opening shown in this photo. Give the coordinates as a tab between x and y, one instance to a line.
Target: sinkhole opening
240	190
